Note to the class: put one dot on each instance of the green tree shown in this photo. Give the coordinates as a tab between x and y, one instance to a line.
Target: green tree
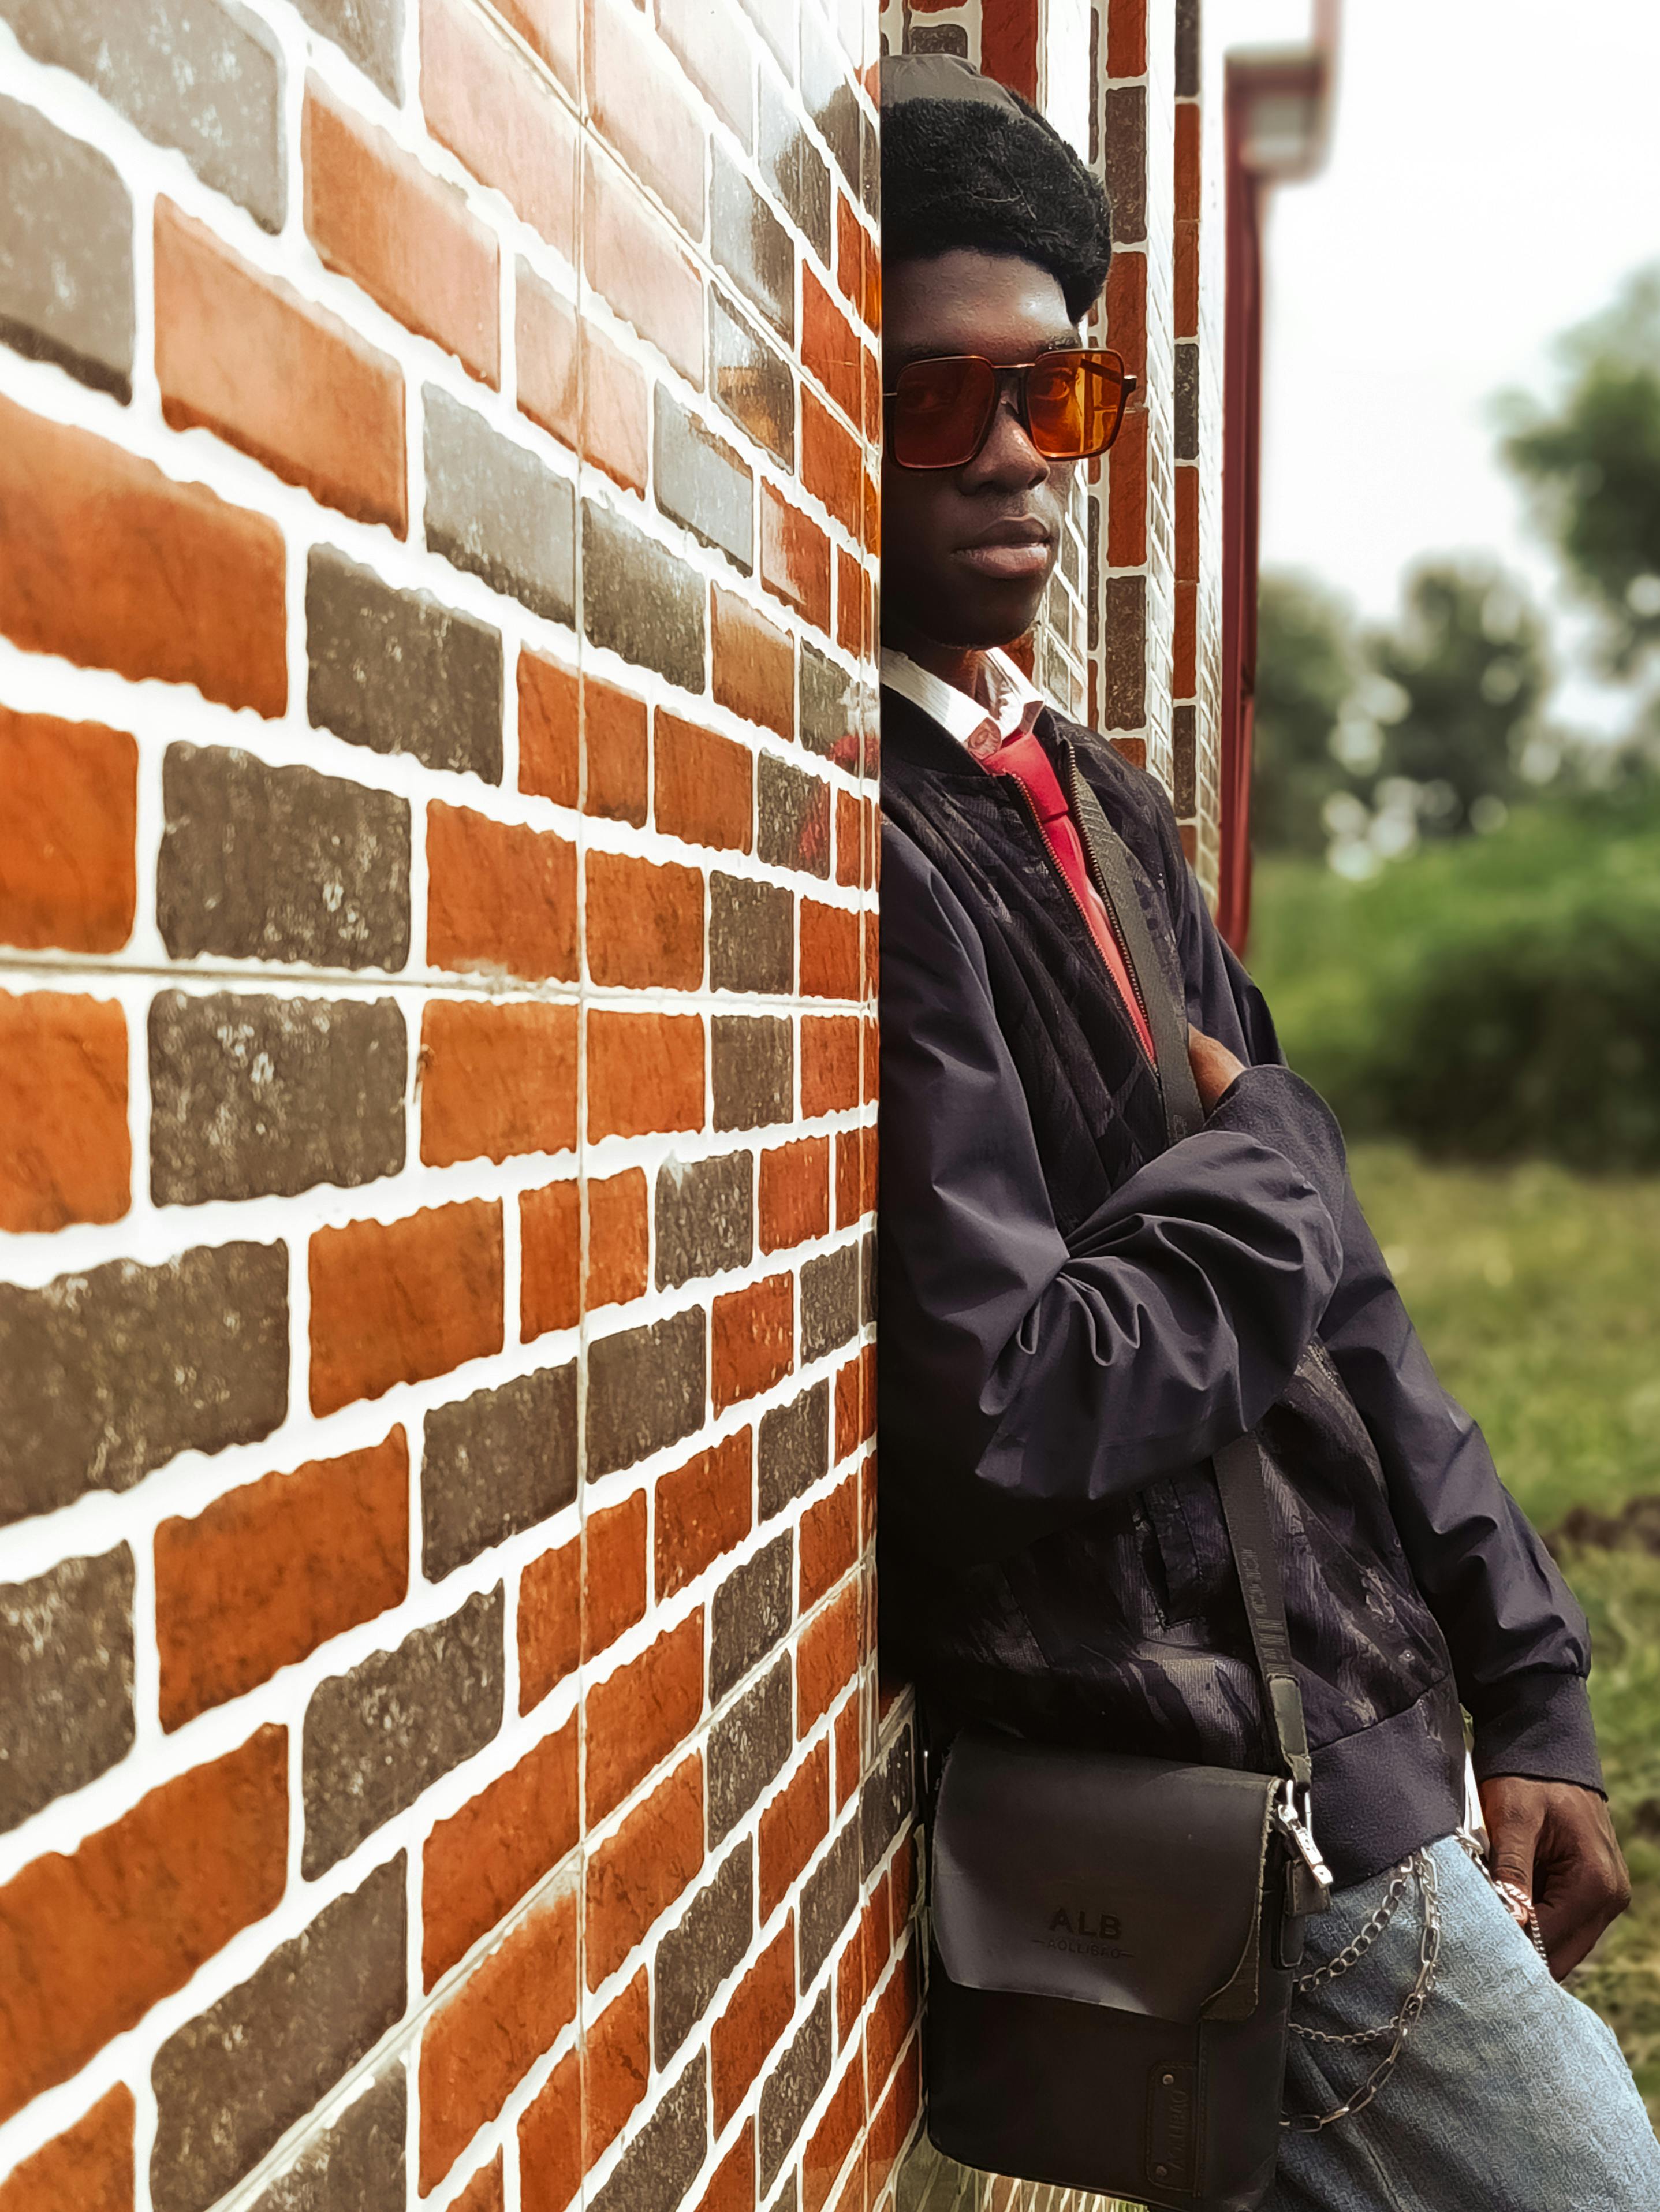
1305	669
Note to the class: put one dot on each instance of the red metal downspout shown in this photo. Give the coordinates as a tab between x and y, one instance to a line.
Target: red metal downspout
1241	472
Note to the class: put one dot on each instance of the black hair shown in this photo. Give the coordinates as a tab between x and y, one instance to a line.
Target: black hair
995	178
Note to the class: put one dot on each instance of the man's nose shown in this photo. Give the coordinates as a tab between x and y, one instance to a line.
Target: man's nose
1008	461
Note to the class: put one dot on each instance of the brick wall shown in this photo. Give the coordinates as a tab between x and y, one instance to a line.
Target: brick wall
440	1757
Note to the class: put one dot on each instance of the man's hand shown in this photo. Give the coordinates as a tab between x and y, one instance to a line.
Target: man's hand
1213	1065
1556	1842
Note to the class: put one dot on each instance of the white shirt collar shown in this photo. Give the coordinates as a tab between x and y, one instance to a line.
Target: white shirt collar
1014	703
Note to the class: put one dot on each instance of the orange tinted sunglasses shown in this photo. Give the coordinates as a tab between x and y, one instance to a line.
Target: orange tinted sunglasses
1070	402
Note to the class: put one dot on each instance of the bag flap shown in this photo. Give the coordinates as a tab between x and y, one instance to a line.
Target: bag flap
1131	1883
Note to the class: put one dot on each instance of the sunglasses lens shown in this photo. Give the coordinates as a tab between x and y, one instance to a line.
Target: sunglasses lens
941	409
1074	403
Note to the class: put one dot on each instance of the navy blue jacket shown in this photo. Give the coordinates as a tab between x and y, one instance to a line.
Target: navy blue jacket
1074	1316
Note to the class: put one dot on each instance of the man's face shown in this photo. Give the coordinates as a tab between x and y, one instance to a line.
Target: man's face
967	552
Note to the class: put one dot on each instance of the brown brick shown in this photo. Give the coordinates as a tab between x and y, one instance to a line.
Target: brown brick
792	1827
113	565
616	397
795	1193
829	1541
484	102
752	1612
476	1865
89	1365
477	2048
355	2161
750	378
636	1717
703	1510
704	1216
372	33
496	1081
751	1340
613	1573
644	1073
377	1737
550	2141
829	347
644	923
732	2186
66	1665
657	2168
829	1064
242	354
826	1658
792	811
94	1940
550	1622
830	948
377	216
645	1390
400	1301
761	2010
633	259
265	1574
831	465
698	481
546	338
829	1302
501	897
829	1899
793	2088
792	165
69	796
753	1071
752	936
615	753
748	1747
616	2065
88	2168
495	1464
231	2082
619	1238
549	729
635	1875
795	558
496	511
832	2141
754	665
705	785
64	1152
639	600
66	293
827	710
751	245
637	102
707	1943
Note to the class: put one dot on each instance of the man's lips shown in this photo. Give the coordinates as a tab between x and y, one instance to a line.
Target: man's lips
1009	551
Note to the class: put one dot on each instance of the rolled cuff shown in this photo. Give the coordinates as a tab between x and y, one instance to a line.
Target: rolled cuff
1541	1728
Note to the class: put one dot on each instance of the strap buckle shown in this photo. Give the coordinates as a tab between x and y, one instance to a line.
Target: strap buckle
1293	1817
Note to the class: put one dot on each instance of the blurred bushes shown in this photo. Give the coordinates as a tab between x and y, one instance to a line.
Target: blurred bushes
1487	999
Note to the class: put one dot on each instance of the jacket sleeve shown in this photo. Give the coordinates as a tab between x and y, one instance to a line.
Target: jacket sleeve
1521	1650
1024	1380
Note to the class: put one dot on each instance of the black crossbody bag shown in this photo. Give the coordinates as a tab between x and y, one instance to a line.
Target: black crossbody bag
1113	1939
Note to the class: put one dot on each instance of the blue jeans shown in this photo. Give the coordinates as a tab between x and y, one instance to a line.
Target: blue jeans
1510	2095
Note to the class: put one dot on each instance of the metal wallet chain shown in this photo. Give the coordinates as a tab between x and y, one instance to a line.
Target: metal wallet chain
1421	1869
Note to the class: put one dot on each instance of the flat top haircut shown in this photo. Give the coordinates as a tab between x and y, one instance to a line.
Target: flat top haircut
966	163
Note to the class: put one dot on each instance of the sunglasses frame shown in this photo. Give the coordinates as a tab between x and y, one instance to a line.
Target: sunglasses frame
1018	371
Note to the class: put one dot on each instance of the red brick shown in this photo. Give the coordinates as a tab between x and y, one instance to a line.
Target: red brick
485	104
88	2168
548	28
550	2142
872	971
753	1339
640	106
550	1259
64	1152
639	1715
616	403
635	1875
829	1063
831	464
705	785
732	2186
829	1541
795	1194
792	1827
826	1658
377	216
1126	38
850	250
242	354
850	1990
1187	523
832	2141
616	2065
874	1935
1184	643
549	729
477	2048
829	347
613	1574
615	753
476	1865
891	2020
872	309
644	1073
546	337
1125	304
753	663
633	259
795	558
703	1510
550	1623
904	1887
1126	493
501	898
113	565
856	1174
401	1301
762	2008
892	2122
872	531
619	1238
872	406
829	951
496	1080
1009	44
870	1049
849	1765
485	2192
849	589
644	923
88	1943
69	799
267	1573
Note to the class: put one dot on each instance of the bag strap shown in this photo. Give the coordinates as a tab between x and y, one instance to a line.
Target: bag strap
1239	1476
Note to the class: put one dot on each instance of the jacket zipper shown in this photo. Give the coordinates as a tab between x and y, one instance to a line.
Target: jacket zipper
1048	844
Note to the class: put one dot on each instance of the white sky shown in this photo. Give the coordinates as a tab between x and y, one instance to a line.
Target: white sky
1494	173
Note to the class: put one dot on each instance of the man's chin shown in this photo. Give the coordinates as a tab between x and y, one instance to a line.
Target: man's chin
977	615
